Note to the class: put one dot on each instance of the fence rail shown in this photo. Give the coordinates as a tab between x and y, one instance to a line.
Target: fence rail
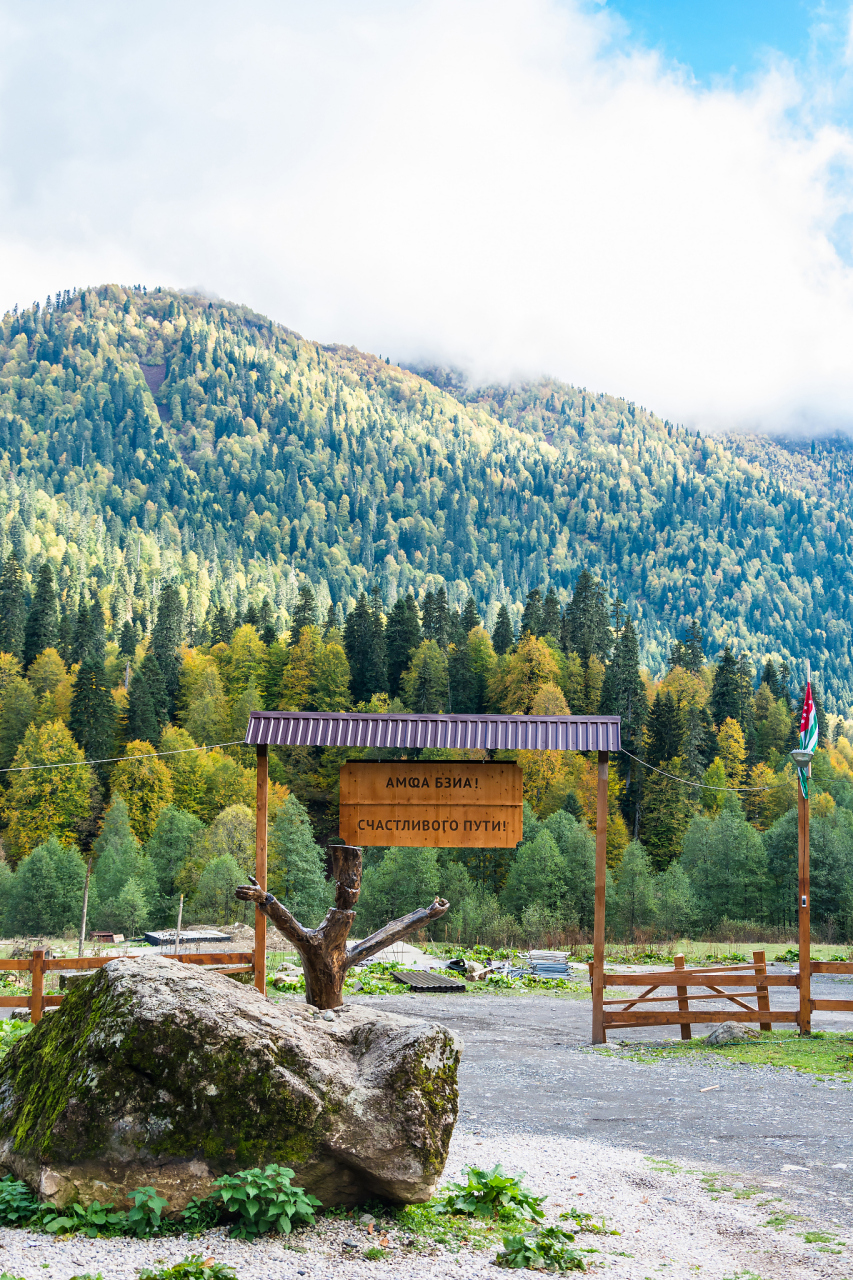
40	963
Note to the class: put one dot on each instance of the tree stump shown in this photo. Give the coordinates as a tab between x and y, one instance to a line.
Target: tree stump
325	960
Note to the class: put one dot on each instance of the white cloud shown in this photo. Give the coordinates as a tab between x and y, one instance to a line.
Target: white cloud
498	183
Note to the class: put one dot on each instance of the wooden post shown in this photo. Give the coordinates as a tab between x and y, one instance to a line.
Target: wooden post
763	1001
598	1033
261	868
804	909
683	1002
37	970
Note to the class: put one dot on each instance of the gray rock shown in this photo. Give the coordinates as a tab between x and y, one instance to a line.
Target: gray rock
732	1033
153	1074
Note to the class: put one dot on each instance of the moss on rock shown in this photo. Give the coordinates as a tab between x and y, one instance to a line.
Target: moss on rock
151	1070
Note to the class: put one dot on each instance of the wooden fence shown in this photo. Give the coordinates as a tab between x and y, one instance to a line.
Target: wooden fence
39	964
749	997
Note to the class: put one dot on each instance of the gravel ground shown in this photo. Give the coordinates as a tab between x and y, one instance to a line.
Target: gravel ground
672	1223
535	1097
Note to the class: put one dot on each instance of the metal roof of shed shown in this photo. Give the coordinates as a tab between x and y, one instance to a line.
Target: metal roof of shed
395	731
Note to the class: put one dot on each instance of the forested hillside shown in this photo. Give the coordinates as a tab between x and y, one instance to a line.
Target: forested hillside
159	437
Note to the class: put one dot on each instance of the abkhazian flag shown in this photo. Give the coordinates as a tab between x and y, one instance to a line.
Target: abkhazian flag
808	734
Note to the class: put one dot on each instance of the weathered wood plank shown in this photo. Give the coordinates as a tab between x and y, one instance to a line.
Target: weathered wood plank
674	1017
692	978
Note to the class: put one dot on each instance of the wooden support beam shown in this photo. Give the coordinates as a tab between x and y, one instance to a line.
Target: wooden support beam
760	959
37	999
683	1001
804	911
261	867
599	1035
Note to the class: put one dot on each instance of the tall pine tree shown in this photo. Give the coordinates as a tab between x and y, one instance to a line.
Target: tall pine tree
502	636
42	629
13	611
402	637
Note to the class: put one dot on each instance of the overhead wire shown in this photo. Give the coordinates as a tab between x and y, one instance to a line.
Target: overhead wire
144	755
702	786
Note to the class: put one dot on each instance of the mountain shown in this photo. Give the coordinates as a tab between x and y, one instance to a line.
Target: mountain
155	437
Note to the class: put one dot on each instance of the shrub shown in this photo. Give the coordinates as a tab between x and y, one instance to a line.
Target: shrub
144	1219
18	1205
193	1267
95	1220
548	1251
490	1193
265	1200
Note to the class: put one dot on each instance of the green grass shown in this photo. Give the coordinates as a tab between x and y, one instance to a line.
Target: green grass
826	1054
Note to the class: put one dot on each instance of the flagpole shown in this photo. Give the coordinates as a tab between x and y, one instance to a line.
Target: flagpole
804	906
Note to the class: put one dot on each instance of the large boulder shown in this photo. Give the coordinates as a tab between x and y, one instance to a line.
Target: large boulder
154	1073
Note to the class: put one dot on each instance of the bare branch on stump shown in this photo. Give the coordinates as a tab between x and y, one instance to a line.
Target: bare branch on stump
324	950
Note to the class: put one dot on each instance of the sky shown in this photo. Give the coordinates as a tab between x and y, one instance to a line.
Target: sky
652	198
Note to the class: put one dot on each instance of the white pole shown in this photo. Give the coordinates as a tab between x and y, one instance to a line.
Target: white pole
178	930
85	909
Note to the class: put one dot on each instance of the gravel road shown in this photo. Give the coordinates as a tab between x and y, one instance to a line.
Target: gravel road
528	1068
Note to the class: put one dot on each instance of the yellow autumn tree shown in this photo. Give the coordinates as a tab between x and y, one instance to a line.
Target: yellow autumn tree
543	772
145	785
732	748
46	802
531	666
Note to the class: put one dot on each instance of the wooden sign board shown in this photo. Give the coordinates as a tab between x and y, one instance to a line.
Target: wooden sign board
435	804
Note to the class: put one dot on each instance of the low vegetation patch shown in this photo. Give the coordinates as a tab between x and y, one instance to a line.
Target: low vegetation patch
824	1053
11	1031
490	1193
549	1250
193	1267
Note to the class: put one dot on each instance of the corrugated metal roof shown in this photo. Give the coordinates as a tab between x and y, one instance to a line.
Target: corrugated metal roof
396	731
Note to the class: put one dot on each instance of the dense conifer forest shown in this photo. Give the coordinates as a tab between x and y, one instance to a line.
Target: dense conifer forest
202	514
148	437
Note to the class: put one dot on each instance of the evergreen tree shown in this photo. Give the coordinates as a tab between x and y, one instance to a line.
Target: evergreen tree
65	642
470	616
663	730
428	626
127	642
402	637
461	683
12	608
377	673
141	718
442	618
170	845
589	620
725	700
221	629
531	618
42	629
296	865
502	636
93	712
251	617
424	682
624	694
635	897
266	622
84	637
358	643
304	613
694	649
551	615
45	896
330	630
165	641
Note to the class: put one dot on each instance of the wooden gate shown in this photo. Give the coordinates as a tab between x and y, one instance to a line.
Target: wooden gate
749	997
39	964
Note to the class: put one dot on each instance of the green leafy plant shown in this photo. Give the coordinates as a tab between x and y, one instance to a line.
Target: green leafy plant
193	1267
548	1251
7	1275
18	1205
200	1215
145	1217
490	1193
87	1275
586	1222
375	1254
265	1200
96	1219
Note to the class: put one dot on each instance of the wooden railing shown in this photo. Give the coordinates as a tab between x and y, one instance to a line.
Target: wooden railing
751	982
39	964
